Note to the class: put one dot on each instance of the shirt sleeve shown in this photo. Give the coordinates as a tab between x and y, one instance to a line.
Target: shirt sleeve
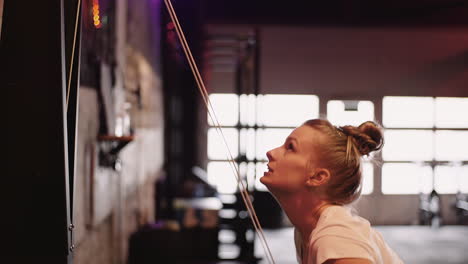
337	247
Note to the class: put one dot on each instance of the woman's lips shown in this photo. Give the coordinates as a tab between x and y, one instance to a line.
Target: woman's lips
270	170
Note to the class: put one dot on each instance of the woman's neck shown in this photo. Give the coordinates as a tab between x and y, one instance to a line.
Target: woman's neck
303	213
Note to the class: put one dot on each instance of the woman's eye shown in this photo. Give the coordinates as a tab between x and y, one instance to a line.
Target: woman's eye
290	146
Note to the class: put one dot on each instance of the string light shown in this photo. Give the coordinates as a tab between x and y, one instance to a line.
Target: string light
96	18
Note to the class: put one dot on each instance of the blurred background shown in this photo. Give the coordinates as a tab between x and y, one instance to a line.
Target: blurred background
146	177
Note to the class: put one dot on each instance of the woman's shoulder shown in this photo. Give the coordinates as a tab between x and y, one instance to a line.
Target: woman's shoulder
340	234
341	221
343	234
343	215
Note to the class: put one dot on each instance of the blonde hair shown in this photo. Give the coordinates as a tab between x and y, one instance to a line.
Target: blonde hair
341	155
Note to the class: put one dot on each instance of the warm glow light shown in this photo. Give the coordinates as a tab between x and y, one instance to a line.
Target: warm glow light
96	17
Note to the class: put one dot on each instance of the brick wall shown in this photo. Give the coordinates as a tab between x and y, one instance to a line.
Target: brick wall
111	204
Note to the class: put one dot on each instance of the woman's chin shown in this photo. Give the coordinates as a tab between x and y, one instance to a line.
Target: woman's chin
265	179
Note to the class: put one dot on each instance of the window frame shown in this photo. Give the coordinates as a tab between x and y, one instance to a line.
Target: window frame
377	186
432	163
239	160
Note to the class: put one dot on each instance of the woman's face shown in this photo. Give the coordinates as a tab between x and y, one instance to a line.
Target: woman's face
290	163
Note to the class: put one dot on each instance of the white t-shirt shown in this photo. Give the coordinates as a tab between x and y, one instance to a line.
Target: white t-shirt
340	234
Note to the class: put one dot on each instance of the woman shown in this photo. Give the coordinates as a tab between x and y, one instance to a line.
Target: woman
313	176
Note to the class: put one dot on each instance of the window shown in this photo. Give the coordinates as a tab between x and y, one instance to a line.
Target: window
367	178
406	178
408	145
286	110
252	125
404	112
425	139
451	112
446	178
226	108
451	145
269	138
354	113
220	174
462	179
216	146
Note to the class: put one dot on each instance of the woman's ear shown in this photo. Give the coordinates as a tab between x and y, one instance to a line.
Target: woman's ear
318	177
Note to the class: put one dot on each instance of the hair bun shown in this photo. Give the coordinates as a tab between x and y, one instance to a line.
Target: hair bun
368	136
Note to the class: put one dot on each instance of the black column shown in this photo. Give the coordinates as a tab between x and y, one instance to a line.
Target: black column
34	184
181	98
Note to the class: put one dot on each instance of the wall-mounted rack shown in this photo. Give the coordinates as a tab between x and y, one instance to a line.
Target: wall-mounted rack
110	146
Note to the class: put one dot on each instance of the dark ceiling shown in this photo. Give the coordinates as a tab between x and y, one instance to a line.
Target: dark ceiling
338	12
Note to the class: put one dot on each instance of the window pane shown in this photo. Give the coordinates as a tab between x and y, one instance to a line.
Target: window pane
247	145
447	179
451	145
368	178
251	174
248	111
261	168
409	112
221	175
268	139
406	178
217	148
339	116
226	108
451	112
408	145
247	171
464	179
286	110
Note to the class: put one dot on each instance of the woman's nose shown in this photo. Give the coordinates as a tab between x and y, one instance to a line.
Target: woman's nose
269	155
